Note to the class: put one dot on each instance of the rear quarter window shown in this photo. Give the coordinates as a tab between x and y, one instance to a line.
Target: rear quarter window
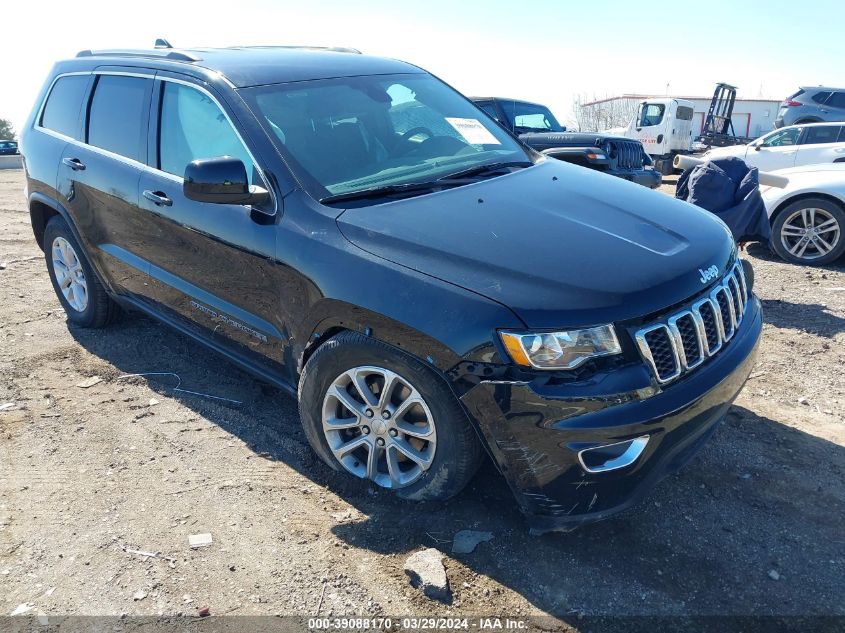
117	117
61	112
821	97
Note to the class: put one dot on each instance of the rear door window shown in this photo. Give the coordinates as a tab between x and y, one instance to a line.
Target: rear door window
684	113
117	116
821	134
61	112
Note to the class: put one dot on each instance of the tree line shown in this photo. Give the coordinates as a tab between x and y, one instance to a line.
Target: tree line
7	130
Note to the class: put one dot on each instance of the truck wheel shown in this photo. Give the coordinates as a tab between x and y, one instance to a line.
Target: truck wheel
380	414
79	291
810	232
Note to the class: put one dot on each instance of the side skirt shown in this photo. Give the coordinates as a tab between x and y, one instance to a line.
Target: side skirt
256	370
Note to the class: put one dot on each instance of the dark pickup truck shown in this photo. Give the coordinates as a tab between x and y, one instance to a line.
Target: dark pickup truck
8	148
537	127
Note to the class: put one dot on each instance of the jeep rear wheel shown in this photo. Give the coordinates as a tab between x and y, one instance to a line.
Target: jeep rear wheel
79	291
382	415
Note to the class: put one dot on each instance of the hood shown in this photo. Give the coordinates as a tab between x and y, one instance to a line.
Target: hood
822	170
558	244
544	140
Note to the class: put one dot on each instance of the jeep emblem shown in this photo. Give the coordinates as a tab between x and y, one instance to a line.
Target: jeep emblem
708	274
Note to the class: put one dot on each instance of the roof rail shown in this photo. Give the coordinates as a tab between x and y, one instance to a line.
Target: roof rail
334	49
157	53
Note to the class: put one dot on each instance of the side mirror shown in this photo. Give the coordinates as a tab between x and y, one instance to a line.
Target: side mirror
221	180
757	147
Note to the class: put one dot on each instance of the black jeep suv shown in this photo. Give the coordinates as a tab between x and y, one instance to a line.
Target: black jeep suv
428	292
536	126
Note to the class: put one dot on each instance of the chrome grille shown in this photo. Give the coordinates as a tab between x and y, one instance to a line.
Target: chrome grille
664	354
683	340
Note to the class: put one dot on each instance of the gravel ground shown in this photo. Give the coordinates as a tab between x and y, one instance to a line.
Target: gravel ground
752	526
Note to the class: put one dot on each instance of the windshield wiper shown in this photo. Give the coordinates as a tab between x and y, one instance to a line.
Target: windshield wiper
479	170
385	191
449	180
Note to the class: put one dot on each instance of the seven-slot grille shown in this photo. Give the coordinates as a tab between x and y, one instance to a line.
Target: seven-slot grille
683	340
628	154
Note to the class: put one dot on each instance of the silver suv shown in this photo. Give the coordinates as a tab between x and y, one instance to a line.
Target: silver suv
812	105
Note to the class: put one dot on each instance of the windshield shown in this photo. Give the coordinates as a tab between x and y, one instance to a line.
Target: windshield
531	117
357	133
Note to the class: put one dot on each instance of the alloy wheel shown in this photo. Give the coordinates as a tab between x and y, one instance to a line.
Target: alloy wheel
810	233
70	276
379	427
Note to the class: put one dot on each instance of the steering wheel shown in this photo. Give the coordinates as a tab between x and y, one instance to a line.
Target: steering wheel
413	132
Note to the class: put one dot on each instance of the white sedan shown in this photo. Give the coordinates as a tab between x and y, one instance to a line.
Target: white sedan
808	215
791	146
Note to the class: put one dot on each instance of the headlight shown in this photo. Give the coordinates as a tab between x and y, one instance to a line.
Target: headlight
560	350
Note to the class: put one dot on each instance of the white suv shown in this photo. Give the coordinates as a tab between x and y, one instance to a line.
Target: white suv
791	146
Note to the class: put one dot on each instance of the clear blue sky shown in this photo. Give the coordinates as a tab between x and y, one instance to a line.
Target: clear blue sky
543	50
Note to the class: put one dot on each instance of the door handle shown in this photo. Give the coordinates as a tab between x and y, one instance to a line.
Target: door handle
74	163
159	198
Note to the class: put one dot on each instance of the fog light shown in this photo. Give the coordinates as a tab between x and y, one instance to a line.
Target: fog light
601	459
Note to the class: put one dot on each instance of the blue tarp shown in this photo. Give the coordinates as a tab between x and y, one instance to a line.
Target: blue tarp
728	188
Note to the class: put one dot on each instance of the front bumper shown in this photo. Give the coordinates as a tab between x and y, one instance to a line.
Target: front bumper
535	431
650	178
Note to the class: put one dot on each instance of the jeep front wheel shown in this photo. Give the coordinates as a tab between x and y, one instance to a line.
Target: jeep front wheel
382	415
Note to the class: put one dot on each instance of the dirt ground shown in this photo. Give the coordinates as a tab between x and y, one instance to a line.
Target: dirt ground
752	526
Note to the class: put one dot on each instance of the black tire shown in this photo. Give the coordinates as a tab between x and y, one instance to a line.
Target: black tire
811	257
458	450
100	310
